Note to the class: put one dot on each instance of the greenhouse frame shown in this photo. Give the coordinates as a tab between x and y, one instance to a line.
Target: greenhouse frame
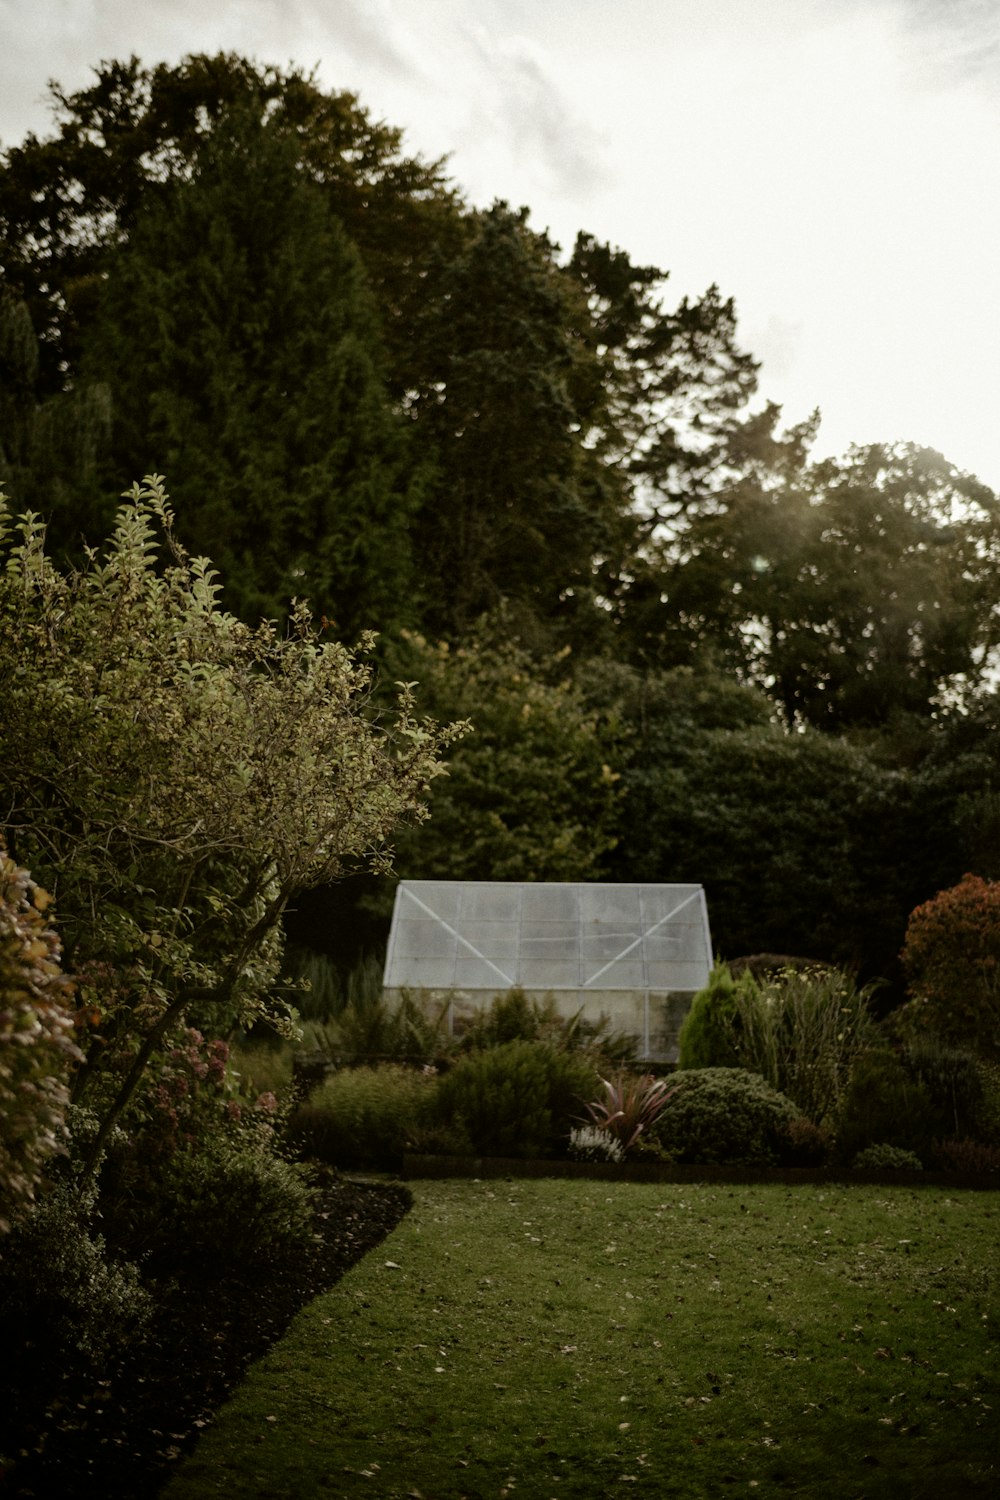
632	956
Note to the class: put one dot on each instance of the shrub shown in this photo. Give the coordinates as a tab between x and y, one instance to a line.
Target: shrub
725	1116
883	1103
953	1081
978	1157
511	1017
514	1016
885	1158
68	1313
183	777
630	1106
227	1201
363	1116
36	1039
987	1117
517	1099
708	1036
806	1144
371	1030
800	1029
952	962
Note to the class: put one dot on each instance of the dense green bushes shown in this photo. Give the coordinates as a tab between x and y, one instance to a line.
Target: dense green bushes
726	1116
798	1028
366	1116
517	1099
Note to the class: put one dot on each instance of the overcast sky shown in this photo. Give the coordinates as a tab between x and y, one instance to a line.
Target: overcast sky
833	164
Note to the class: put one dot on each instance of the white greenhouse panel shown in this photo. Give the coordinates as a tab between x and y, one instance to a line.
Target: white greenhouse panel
487	936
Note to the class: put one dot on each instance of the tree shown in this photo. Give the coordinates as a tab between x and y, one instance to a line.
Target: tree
176	777
69	202
530	793
51	447
778	827
859	589
262	391
518	506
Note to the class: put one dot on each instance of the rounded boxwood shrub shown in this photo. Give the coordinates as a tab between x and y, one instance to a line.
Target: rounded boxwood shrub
884	1158
726	1116
519	1099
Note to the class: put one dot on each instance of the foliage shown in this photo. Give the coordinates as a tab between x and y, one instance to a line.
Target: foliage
511	1016
806	1144
67	1310
885	1158
302	497
987	1120
363	1117
714	792
530	793
963	1154
202	1176
630	1106
517	1099
952	961
37	1050
954	1082
370	1029
725	1116
800	1029
859	588
708	1037
176	777
519	505
883	1104
69	201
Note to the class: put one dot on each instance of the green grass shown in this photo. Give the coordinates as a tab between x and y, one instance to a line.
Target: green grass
573	1339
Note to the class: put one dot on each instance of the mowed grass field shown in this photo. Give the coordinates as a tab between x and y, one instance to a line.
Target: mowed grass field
564	1339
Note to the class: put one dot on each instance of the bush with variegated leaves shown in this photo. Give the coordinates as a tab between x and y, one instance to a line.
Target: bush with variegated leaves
36	1038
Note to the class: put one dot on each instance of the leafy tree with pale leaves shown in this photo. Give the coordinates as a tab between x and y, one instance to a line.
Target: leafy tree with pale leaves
175	777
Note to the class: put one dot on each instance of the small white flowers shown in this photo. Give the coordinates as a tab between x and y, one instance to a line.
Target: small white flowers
591	1143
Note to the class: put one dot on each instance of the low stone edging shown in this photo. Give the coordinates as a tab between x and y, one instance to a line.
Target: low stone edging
427	1166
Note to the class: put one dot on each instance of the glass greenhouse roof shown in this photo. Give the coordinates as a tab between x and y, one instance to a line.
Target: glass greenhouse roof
492	935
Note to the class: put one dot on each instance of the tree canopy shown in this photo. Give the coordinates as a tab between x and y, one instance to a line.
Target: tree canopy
552	490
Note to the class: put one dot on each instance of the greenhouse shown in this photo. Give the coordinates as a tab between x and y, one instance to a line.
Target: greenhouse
630	955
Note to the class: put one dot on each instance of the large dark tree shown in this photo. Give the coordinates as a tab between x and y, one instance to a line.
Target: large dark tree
238	339
69	201
520	505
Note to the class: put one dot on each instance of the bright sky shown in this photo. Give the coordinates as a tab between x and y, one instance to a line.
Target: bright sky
833	164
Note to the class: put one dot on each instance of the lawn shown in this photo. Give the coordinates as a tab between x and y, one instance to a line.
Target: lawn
546	1338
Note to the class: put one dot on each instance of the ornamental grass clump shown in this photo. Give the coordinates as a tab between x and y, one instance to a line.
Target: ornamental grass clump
801	1031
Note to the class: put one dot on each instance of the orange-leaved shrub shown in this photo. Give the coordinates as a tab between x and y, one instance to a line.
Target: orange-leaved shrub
952	962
